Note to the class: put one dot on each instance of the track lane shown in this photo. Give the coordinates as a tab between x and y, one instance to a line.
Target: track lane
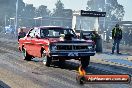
44	76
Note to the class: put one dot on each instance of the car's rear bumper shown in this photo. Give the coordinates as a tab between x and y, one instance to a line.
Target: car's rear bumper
71	54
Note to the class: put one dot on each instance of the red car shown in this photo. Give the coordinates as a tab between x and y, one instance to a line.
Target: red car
55	43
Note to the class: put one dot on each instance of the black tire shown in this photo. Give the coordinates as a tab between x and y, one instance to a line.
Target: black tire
85	62
46	60
26	56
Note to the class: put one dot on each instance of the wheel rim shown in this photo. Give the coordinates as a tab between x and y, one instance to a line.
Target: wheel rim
45	60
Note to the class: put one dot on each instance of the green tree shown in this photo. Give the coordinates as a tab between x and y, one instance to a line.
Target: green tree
114	11
42	11
27	15
62	15
8	10
58	11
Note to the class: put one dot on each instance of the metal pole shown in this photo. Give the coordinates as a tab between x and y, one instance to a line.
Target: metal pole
16	17
105	16
5	20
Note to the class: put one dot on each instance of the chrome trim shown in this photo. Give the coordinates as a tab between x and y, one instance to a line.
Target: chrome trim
77	52
83	50
72	44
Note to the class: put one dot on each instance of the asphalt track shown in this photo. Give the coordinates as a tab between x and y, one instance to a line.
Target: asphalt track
17	73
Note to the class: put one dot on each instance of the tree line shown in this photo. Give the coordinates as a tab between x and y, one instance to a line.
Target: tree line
114	11
27	12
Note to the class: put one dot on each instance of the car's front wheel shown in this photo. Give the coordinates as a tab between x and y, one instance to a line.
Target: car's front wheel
61	63
85	61
46	60
26	56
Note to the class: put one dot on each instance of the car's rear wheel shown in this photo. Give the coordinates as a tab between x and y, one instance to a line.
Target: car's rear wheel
46	59
85	61
26	56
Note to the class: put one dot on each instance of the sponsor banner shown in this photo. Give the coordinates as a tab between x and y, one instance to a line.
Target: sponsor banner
104	79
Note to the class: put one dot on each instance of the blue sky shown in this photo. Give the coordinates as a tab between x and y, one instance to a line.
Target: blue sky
81	4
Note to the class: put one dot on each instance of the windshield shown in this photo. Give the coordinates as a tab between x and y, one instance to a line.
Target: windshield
55	32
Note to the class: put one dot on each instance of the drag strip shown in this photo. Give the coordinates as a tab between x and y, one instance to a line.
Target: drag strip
16	72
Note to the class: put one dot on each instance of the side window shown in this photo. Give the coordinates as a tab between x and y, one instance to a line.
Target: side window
65	32
41	33
37	32
51	32
32	33
44	33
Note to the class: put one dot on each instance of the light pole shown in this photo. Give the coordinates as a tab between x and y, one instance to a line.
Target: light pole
16	17
105	16
5	20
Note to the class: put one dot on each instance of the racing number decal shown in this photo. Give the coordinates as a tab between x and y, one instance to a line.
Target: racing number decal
73	54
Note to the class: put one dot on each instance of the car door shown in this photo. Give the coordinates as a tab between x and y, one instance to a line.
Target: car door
37	43
29	43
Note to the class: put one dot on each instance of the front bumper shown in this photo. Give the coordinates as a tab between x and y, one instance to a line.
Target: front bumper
71	54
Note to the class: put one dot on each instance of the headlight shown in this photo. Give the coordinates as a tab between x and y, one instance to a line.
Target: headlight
90	48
